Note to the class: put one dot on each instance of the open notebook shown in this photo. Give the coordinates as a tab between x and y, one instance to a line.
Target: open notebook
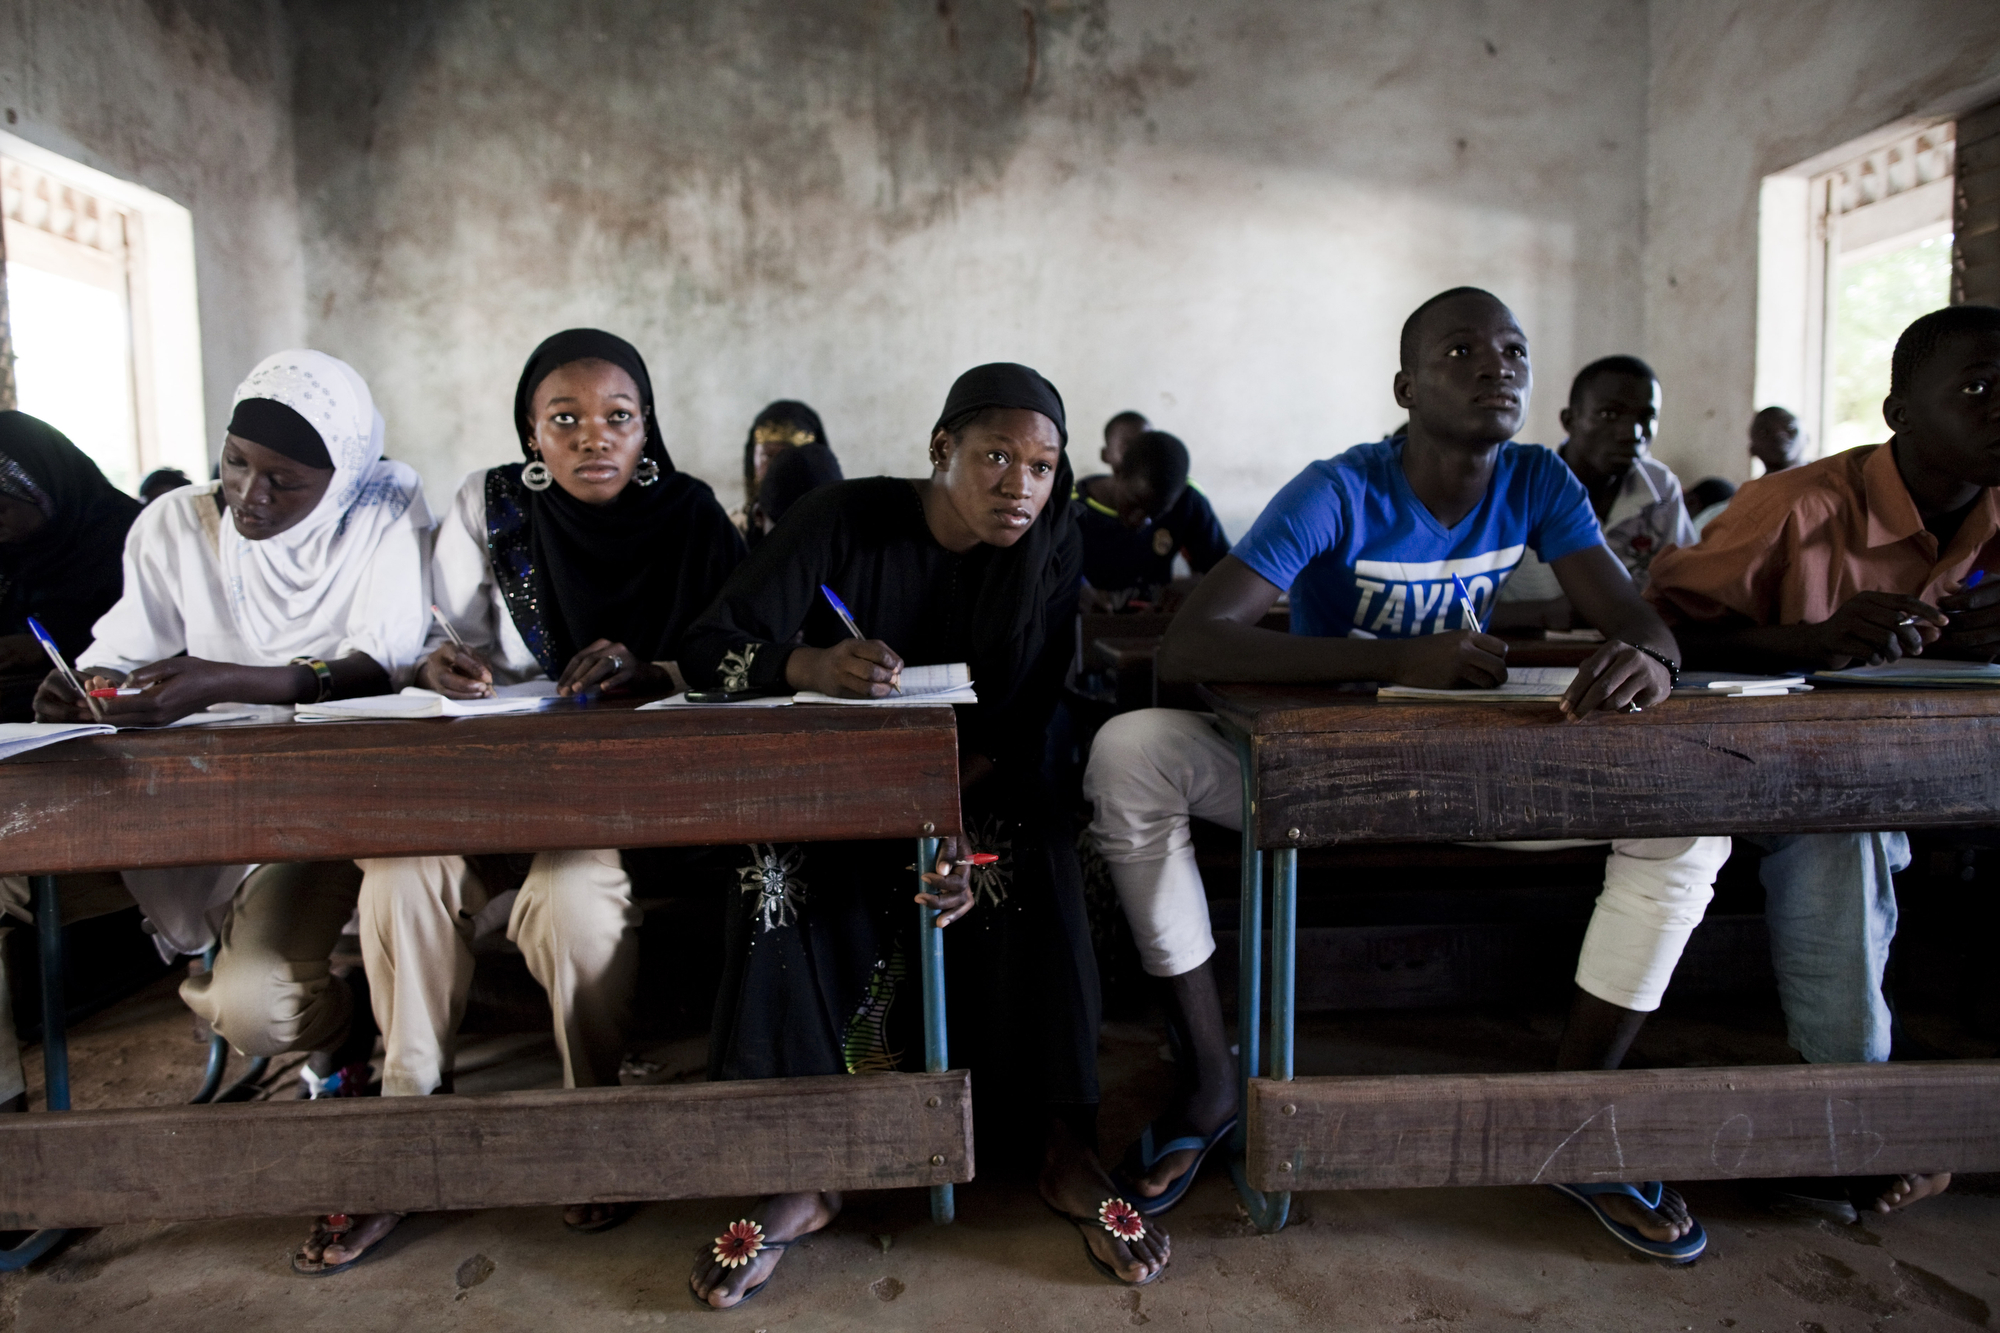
1916	673
945	683
526	697
21	737
1523	683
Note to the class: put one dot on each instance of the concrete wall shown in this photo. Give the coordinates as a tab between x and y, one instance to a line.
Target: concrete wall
1217	214
190	98
1741	89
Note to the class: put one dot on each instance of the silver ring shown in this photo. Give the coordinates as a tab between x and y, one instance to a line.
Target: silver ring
617	663
1633	708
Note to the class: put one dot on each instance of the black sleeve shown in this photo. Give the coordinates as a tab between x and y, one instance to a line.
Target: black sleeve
745	637
1205	543
1014	734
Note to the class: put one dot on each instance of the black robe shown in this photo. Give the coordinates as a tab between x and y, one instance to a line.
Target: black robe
824	980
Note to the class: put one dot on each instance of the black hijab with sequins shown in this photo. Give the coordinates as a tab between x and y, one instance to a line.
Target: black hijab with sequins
636	571
69	573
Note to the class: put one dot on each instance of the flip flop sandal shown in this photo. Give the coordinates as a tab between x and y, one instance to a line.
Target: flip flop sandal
327	1229
620	1214
1683	1251
1122	1220
740	1242
1143	1156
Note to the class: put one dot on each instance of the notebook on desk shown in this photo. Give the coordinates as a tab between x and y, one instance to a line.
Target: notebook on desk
1524	684
527	697
943	683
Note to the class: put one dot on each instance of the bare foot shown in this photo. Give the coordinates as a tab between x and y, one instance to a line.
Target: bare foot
1074	1183
784	1217
332	1246
1902	1191
1669	1222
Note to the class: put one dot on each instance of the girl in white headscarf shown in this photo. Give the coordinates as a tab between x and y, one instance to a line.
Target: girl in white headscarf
298	576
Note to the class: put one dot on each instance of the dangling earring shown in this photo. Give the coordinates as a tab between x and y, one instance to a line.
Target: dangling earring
647	472
536	476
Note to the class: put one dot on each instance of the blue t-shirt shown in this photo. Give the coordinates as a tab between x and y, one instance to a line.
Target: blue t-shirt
1364	558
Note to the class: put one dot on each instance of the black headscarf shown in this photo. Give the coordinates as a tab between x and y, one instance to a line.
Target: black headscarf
793	475
1022	579
785	411
69	573
636	571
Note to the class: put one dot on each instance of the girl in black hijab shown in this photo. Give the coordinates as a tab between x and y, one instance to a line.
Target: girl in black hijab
62	541
971	564
792	476
785	424
582	565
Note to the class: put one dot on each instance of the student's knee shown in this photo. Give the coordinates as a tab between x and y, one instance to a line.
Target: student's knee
264	1005
1668	880
1142	771
575	899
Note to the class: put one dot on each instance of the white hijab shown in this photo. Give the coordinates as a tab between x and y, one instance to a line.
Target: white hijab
315	583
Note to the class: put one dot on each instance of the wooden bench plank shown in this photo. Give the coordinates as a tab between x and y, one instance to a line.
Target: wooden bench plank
502	1150
1655	1124
562	779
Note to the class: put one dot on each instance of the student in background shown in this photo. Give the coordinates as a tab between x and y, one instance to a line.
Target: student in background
1368	543
976	563
161	480
1706	500
297	577
62	534
582	565
1862	557
794	474
1776	441
785	424
1136	520
1119	432
1614	407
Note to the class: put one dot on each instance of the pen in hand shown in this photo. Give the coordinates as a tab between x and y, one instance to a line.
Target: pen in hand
847	619
69	677
456	642
1466	606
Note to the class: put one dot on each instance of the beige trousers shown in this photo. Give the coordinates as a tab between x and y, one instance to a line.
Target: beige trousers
573	921
272	988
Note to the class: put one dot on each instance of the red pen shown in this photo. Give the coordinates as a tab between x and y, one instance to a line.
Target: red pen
119	693
983	858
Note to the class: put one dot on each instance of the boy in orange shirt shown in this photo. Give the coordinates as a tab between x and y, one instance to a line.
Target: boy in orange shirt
1863	557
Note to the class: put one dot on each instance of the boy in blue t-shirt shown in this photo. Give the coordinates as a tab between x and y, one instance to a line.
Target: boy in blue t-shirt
1367	543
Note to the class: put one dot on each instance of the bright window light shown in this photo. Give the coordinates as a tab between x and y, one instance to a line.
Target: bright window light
1876	298
72	367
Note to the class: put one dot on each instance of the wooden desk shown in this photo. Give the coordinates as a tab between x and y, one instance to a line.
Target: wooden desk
1324	766
570	777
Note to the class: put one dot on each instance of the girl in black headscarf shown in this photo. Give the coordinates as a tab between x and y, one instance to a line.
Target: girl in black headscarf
785	424
583	566
792	476
971	564
62	537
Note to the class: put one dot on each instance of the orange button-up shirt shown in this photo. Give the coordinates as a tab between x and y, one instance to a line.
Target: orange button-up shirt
1795	545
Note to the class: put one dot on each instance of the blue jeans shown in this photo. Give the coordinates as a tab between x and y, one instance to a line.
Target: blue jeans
1830	903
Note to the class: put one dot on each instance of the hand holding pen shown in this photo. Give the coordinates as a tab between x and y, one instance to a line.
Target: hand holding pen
1974	624
452	669
857	668
76	687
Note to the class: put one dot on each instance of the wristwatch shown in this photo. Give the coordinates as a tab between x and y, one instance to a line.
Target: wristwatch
321	672
1673	667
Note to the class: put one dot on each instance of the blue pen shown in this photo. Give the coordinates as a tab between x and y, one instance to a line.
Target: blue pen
55	655
1972	579
1465	604
847	619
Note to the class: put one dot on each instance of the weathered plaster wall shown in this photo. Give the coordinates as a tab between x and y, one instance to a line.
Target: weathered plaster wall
190	98
1741	89
1216	213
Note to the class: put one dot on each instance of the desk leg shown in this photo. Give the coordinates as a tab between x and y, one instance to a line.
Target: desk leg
1267	1211
937	1052
55	1044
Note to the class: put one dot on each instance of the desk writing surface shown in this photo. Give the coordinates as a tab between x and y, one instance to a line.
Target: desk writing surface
1339	766
567	778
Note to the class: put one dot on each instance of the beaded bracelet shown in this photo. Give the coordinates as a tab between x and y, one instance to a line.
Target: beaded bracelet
321	672
1673	668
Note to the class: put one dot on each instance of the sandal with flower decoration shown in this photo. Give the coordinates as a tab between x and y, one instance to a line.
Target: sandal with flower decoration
740	1242
1123	1221
327	1230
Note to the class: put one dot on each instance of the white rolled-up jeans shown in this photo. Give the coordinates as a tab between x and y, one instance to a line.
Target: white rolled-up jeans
1151	770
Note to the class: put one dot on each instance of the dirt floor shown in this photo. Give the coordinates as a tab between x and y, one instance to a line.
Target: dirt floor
1424	1259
